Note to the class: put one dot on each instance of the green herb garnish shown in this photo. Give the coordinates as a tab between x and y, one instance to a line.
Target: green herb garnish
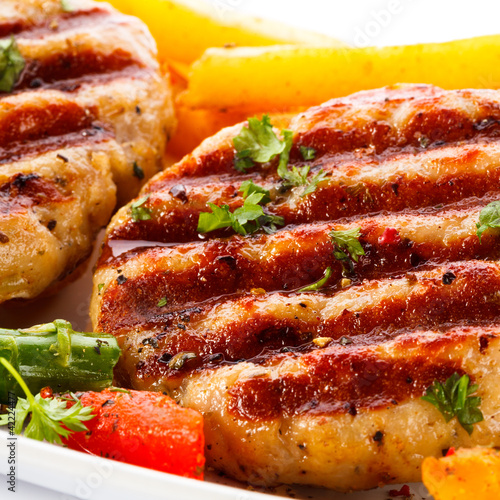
66	6
307	153
248	188
256	143
453	399
488	218
100	286
138	212
11	64
318	284
162	302
50	418
244	220
296	176
346	244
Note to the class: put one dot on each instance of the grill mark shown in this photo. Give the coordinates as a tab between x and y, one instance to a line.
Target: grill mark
254	330
34	120
69	71
23	192
62	22
296	258
94	134
338	380
431	117
177	222
40	126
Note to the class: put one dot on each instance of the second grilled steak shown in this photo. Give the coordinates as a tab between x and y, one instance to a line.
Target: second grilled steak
84	126
321	387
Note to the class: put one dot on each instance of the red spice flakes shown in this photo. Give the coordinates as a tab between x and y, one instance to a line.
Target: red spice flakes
390	236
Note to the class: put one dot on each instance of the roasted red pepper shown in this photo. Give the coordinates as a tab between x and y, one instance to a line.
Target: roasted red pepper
143	428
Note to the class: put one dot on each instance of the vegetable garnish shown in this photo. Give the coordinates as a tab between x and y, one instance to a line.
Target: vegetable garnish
53	354
488	218
307	153
244	220
11	64
51	419
453	399
248	188
258	143
346	244
318	284
138	211
143	428
66	6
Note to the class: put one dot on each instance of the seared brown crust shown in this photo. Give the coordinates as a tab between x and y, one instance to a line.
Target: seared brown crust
220	321
90	103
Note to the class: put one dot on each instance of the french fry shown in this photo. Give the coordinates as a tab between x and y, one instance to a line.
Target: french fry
284	76
469	473
195	125
183	29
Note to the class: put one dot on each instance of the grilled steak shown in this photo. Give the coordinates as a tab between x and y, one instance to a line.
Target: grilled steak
322	387
84	125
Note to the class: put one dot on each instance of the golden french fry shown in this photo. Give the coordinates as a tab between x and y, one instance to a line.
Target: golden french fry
468	474
185	28
284	76
195	125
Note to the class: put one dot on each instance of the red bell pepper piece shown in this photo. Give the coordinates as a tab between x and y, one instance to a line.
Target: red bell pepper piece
143	428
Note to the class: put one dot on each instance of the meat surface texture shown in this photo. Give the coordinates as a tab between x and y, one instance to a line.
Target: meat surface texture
84	126
322	387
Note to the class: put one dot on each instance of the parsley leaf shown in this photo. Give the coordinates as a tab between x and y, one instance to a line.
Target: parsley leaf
313	183
256	143
248	188
162	302
346	244
11	64
318	284
51	419
307	153
296	176
453	399
244	220
488	218
138	212
66	6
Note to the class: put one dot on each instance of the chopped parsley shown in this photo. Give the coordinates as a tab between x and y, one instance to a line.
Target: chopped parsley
258	143
66	6
307	153
488	218
244	220
11	64
50	419
100	286
138	211
453	399
162	302
346	244
248	188
318	284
